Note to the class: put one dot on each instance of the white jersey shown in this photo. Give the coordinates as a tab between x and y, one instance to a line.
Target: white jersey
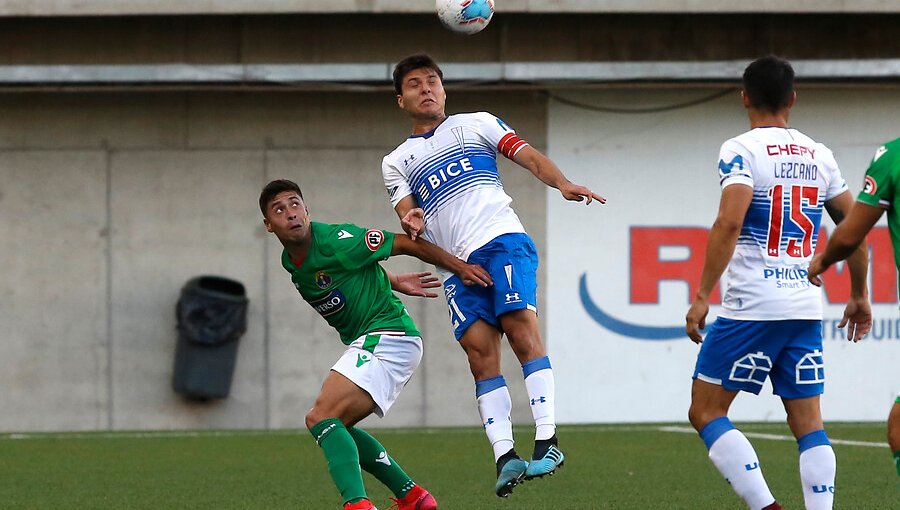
452	173
792	176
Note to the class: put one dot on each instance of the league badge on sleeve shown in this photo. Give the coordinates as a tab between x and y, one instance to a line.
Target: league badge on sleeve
374	238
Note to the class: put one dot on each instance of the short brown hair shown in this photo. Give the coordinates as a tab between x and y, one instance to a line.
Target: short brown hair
272	190
411	63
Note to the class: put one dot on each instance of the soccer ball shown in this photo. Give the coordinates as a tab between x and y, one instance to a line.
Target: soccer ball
465	16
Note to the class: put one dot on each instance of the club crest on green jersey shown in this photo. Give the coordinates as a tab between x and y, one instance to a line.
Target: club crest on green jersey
323	280
374	238
871	186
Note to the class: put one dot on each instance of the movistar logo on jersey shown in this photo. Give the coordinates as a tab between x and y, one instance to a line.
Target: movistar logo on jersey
331	304
726	168
362	359
323	280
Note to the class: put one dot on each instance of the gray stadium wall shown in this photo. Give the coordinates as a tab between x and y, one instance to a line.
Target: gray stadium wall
111	196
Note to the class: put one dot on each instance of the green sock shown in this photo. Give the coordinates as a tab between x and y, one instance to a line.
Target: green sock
342	456
375	460
897	461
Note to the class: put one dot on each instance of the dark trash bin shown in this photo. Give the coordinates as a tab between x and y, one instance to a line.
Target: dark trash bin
212	316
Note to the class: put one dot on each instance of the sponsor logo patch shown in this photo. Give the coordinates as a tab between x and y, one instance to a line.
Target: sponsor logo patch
332	303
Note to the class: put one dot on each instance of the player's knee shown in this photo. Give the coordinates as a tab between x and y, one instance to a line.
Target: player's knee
314	416
484	367
311	419
525	343
699	416
482	354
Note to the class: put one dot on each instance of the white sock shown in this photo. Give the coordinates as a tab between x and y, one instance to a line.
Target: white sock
541	395
495	406
736	459
817	469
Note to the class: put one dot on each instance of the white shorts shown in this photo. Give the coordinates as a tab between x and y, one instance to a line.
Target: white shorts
381	364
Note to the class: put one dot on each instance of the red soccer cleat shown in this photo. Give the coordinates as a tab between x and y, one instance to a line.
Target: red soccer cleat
774	506
416	499
363	504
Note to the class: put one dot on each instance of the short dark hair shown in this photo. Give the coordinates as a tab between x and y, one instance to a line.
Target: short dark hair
411	63
272	190
769	83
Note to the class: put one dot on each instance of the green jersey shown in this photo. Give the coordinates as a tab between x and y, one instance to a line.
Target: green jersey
343	281
882	188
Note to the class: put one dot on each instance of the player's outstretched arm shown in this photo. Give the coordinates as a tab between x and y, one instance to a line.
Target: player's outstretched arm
470	274
412	217
719	249
851	244
849	236
547	172
415	284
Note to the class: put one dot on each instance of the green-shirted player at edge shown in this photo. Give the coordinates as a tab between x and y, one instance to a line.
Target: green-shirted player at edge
881	192
335	268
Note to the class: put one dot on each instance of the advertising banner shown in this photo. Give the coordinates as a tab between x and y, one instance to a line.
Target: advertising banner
620	276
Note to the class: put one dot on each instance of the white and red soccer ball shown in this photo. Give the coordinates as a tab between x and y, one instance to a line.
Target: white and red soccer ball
465	16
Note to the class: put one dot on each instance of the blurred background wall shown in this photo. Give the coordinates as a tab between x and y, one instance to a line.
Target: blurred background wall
135	137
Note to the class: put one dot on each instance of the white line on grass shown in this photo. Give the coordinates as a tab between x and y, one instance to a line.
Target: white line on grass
177	434
779	437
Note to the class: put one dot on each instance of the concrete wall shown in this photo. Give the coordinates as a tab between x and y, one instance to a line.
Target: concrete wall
110	202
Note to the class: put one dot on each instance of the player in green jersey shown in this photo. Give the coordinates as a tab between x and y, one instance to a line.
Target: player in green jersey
881	190
335	268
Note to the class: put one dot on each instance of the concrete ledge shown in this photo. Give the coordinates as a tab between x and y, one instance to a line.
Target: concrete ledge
456	73
194	7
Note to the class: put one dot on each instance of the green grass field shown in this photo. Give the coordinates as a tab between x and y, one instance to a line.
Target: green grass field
615	466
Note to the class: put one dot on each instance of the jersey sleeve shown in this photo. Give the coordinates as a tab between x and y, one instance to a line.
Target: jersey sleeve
734	165
878	187
499	135
357	247
394	181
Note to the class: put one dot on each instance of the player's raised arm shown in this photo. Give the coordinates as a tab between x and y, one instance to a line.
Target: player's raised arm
470	274
719	249
547	172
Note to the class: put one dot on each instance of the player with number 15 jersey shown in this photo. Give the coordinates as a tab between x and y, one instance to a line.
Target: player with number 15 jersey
776	182
792	177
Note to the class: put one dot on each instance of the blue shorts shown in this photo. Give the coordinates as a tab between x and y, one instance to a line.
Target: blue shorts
511	260
739	355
